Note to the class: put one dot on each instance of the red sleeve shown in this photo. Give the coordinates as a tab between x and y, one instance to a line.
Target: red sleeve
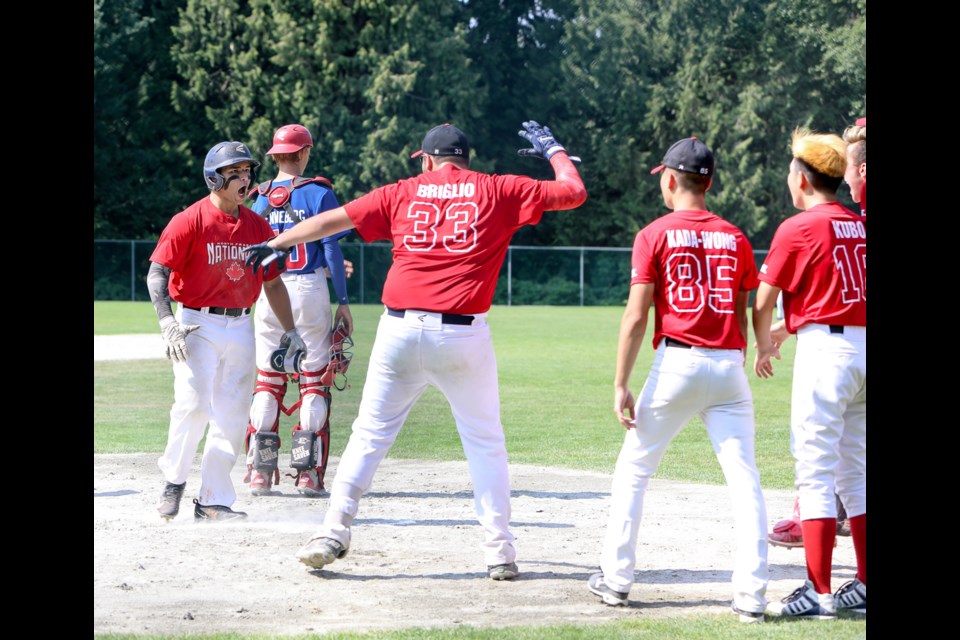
567	190
370	214
786	260
644	266
750	280
175	242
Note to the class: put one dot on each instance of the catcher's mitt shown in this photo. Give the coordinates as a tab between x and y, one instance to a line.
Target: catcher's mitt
340	358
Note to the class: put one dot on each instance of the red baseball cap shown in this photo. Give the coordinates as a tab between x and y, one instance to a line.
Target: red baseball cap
861	122
290	138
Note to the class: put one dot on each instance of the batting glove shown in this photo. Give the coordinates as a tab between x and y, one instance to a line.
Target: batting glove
175	337
293	342
544	144
262	255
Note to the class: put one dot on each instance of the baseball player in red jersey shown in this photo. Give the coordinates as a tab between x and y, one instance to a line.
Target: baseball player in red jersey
818	259
284	202
856	175
697	269
199	263
789	532
450	228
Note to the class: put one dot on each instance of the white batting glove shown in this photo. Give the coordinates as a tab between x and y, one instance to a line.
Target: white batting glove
292	340
175	336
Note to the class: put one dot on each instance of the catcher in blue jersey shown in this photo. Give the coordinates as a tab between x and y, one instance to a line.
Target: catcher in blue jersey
285	201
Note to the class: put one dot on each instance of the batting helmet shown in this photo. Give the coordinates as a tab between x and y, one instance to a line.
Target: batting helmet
290	138
223	155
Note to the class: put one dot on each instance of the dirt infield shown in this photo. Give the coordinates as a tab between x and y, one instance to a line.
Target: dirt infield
415	559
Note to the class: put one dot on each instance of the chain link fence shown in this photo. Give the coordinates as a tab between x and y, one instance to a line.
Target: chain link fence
571	276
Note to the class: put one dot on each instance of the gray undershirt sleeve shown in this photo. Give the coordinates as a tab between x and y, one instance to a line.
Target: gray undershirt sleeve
158	278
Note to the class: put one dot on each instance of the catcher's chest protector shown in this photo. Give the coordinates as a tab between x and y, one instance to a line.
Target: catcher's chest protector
279	196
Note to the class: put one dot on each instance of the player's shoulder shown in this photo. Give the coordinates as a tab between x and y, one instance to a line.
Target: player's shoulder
311	183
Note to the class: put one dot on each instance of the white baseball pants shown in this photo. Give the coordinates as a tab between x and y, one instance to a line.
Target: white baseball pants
213	385
409	354
828	418
683	383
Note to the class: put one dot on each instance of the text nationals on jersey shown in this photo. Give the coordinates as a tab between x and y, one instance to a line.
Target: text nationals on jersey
220	251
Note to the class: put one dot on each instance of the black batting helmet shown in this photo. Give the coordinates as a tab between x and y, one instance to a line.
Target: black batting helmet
223	155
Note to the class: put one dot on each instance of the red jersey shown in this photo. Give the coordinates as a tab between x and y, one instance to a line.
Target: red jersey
699	263
450	229
819	259
202	246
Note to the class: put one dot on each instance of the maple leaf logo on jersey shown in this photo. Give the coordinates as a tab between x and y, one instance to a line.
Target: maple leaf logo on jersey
235	271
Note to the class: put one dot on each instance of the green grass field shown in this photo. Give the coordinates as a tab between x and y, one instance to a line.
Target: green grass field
556	368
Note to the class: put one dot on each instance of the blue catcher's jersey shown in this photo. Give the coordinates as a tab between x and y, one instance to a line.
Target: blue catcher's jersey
306	201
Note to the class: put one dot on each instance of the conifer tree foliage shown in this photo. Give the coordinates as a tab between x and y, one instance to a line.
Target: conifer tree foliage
617	81
365	77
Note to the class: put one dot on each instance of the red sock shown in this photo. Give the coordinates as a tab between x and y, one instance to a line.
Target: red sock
818	537
858	531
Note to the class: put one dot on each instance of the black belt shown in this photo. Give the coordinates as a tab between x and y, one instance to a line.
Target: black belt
836	328
221	311
445	318
676	343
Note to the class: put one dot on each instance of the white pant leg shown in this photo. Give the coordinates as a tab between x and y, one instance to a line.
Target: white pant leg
232	387
671	396
851	478
829	375
193	383
729	420
461	363
395	380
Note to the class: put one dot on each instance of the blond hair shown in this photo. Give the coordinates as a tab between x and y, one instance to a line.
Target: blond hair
856	134
825	153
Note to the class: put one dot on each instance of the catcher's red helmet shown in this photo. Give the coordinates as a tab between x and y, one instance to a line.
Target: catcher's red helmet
290	138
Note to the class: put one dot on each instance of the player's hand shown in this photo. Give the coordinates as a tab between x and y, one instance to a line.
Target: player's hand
762	365
343	315
347	269
175	337
541	139
623	404
262	255
778	333
293	342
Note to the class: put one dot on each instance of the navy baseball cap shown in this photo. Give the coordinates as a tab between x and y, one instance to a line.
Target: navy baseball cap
444	140
688	155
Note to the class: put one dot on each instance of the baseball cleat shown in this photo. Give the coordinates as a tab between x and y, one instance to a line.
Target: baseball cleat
169	505
748	617
321	551
260	484
597	585
805	602
507	571
215	512
786	533
852	596
308	484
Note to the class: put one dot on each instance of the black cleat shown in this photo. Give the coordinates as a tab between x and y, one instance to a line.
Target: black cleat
169	505
215	512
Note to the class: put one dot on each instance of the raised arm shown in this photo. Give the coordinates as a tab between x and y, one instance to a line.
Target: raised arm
567	190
